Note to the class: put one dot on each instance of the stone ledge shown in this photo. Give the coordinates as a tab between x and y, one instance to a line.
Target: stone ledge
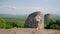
28	31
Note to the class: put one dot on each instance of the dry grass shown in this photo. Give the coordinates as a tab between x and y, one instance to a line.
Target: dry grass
28	31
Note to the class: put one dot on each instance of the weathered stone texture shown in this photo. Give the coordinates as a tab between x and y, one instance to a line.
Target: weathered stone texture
31	22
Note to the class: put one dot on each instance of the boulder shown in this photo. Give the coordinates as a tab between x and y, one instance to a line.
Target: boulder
31	22
47	18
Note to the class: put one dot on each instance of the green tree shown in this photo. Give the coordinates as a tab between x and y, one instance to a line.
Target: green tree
2	23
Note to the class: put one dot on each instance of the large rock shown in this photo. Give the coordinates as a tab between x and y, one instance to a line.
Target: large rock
31	22
47	18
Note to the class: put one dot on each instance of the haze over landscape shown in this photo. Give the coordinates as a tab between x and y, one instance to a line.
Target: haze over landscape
15	14
23	7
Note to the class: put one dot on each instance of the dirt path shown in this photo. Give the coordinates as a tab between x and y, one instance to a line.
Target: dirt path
28	31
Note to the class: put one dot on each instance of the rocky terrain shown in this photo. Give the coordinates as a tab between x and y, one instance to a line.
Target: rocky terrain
31	21
28	31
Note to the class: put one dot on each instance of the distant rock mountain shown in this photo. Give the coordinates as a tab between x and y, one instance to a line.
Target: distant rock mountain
53	16
46	16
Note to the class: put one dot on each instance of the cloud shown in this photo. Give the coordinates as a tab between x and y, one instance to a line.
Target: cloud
23	9
7	7
26	10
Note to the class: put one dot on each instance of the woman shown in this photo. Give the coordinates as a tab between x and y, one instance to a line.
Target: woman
38	19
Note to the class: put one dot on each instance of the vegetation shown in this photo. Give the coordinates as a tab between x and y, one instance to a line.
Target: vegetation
18	21
52	23
12	21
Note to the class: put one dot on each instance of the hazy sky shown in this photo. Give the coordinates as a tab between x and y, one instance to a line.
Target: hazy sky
29	6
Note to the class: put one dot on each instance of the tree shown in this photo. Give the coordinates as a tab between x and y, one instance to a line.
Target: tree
2	23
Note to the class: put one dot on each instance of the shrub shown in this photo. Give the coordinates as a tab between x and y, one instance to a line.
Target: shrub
54	26
2	23
8	26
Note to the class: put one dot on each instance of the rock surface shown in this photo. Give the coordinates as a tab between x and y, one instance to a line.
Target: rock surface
28	31
31	22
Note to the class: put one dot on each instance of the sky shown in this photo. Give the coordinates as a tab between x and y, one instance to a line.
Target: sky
24	7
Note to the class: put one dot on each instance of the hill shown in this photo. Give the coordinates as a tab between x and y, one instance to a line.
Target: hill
12	20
